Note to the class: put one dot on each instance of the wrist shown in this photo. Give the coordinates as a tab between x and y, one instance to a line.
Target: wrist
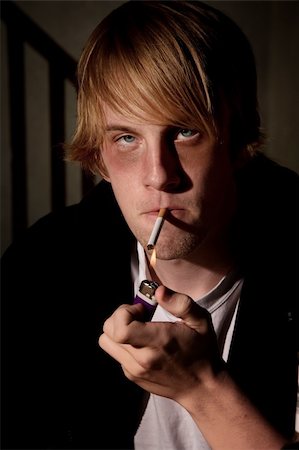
210	384
219	405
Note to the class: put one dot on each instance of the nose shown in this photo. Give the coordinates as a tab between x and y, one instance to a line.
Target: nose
162	170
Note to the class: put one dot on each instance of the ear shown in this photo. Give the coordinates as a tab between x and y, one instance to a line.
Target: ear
103	172
105	176
242	158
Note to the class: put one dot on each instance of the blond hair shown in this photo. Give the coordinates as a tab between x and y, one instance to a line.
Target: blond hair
173	62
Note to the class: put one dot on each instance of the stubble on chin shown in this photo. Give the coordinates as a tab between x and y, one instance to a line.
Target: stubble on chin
180	247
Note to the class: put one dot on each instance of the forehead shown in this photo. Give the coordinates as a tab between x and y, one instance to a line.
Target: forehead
116	119
129	122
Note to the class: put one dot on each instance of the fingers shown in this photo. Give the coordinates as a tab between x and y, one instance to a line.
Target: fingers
126	326
116	325
151	353
182	306
137	362
121	355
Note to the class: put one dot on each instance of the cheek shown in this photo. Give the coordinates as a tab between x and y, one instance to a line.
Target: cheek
213	176
125	187
123	179
120	168
125	197
112	164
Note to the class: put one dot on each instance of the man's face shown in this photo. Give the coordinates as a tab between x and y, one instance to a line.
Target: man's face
184	170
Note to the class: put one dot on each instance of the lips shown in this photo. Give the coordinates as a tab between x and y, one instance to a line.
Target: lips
174	211
169	209
177	212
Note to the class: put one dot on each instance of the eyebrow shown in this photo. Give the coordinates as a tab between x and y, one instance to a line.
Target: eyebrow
116	127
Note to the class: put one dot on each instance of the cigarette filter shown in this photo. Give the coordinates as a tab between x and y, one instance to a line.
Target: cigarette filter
146	296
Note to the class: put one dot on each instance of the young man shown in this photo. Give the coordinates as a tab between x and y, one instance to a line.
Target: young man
167	114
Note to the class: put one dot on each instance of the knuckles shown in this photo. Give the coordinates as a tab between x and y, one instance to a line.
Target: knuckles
121	335
148	362
117	325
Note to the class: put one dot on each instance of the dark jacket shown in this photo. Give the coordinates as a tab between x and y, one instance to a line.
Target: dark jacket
71	270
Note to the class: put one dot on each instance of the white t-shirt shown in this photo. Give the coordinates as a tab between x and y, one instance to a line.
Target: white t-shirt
165	424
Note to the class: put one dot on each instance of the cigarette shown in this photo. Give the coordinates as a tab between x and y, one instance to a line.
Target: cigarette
156	229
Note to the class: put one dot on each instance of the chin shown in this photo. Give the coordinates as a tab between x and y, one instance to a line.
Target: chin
177	248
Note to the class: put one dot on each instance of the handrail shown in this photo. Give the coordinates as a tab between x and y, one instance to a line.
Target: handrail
20	30
25	29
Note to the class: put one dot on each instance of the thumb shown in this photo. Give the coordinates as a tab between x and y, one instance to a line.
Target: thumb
182	306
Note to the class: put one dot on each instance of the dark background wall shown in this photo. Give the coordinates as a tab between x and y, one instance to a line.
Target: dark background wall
271	26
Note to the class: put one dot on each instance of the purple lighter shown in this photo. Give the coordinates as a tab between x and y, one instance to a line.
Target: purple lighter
146	296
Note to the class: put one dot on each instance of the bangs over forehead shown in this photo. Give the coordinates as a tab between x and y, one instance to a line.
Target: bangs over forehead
181	63
145	65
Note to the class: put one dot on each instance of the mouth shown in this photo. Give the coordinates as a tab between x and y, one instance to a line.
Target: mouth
176	215
169	209
173	212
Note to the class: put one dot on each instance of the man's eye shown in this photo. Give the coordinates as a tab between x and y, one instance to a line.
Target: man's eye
128	138
185	133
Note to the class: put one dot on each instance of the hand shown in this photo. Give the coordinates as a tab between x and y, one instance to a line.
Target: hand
170	359
180	360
